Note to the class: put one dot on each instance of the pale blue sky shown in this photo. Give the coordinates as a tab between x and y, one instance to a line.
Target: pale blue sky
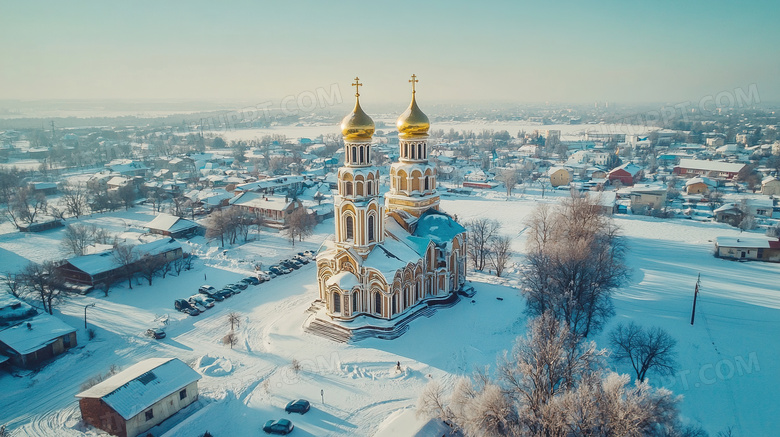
571	51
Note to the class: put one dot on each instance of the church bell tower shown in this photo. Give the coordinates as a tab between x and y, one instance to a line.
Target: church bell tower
413	178
358	208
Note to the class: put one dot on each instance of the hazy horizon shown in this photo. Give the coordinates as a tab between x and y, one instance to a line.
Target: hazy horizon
462	52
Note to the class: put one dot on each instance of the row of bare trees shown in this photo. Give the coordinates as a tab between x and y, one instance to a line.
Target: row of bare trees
231	224
554	385
487	248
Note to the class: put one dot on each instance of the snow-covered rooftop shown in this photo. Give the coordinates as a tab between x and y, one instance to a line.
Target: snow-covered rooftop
44	329
260	201
105	261
141	385
699	164
171	223
748	242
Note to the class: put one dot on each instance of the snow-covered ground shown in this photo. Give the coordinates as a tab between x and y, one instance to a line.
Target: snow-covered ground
728	361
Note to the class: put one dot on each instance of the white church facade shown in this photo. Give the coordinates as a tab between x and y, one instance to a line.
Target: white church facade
391	256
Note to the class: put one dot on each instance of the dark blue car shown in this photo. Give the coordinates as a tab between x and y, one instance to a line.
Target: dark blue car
281	426
297	406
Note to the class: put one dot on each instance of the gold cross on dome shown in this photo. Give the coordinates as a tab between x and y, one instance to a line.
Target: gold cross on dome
413	81
357	84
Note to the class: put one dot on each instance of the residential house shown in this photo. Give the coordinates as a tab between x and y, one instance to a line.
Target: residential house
46	188
770	186
559	176
274	209
45	224
712	169
699	185
141	397
173	226
103	268
28	343
627	174
748	248
647	196
729	213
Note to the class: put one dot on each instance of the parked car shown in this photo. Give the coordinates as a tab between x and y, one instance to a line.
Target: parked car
290	264
239	284
202	299
181	305
206	288
216	296
309	253
250	280
297	406
234	288
191	311
279	270
265	275
156	333
281	426
301	259
225	292
198	306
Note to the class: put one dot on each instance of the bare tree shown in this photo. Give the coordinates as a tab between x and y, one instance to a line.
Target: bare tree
76	199
12	283
44	282
126	195
509	178
299	224
481	232
126	256
150	265
575	258
24	206
234	319
218	225
644	349
77	238
499	254
543	183
231	339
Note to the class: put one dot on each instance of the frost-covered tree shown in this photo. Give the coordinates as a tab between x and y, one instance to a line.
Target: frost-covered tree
575	258
551	385
481	233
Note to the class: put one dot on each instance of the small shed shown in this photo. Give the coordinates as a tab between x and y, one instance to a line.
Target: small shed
30	342
140	397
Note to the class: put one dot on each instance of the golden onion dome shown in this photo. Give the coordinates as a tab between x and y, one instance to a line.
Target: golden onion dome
413	122
357	125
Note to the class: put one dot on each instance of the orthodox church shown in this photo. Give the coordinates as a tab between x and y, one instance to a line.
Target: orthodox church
393	256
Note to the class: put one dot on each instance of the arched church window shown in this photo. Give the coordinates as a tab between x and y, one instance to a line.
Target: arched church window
354	155
362	157
406	151
406	297
419	151
350	228
336	302
416	291
426	183
348	186
378	303
354	303
394	307
370	227
369	191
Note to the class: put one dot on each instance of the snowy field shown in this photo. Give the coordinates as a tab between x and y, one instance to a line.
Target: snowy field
728	361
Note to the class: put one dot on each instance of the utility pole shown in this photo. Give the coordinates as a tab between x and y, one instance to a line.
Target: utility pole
85	313
695	294
52	131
